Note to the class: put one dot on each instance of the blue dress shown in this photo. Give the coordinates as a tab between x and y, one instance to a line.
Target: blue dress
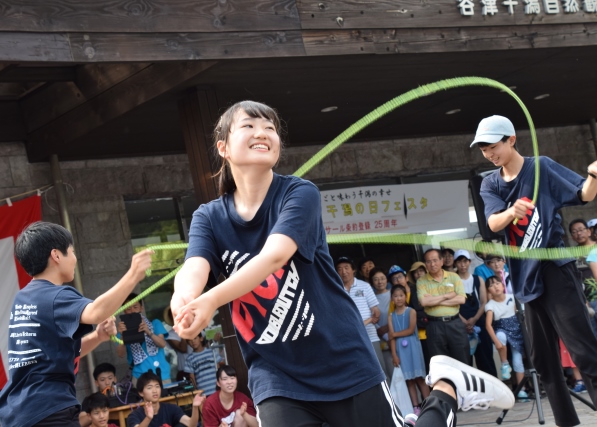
411	355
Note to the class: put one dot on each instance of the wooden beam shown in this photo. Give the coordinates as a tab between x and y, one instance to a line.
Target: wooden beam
363	14
142	87
188	46
57	99
392	41
153	16
30	47
38	74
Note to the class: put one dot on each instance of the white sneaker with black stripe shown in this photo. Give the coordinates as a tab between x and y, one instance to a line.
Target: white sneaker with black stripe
475	389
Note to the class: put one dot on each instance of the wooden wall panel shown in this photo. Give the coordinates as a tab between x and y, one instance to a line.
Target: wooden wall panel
147	16
392	41
353	14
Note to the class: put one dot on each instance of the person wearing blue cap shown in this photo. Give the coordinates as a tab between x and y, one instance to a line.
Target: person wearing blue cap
551	290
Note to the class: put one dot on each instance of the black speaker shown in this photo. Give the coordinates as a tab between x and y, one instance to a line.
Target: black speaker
475	186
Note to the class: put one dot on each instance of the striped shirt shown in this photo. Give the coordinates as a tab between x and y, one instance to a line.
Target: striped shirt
363	296
203	366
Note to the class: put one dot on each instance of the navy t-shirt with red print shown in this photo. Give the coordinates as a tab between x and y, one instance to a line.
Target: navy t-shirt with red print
542	227
300	333
44	348
169	415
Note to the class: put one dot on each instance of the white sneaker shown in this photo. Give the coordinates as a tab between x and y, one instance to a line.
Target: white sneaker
475	389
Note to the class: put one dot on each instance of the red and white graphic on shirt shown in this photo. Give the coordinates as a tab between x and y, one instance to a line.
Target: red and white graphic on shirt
288	300
13	219
528	231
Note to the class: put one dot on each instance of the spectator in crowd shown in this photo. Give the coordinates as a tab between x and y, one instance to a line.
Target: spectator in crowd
503	328
156	414
364	298
228	407
472	313
179	345
406	347
583	236
148	355
365	266
591	224
104	375
97	408
379	282
579	384
448	255
201	365
441	293
497	264
416	271
397	276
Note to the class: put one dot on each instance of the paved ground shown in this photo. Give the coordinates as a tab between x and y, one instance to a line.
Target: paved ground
525	414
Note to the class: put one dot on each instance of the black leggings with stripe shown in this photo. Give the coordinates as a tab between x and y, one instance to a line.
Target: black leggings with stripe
373	407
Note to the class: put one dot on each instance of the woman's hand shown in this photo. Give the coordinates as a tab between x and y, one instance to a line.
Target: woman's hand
194	317
396	361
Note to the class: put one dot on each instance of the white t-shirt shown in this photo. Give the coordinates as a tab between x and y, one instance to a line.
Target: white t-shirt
502	310
468	284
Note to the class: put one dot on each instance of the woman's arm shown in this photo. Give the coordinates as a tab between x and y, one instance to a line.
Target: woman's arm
196	315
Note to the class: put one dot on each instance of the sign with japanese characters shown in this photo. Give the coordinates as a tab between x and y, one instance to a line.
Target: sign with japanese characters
528	7
409	208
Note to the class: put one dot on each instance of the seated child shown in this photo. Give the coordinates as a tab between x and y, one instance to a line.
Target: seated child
57	321
97	406
156	414
201	365
149	355
228	407
104	375
503	327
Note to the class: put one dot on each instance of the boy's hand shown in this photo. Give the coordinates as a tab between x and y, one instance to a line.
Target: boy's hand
198	400
106	328
121	327
194	317
148	410
144	328
140	263
520	207
179	300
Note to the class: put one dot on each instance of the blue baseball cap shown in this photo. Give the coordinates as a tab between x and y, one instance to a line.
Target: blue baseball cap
395	269
493	129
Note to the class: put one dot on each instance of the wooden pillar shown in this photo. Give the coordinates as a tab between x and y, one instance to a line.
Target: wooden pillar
199	113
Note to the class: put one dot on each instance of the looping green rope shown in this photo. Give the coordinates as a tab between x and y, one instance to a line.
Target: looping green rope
411	95
420	239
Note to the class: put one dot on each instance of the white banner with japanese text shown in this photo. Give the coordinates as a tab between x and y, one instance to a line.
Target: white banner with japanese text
408	208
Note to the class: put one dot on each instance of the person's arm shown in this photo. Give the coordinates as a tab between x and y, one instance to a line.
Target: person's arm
395	358
482	300
589	188
196	315
158	339
498	221
192	378
148	409
375	314
101	334
412	322
593	266
431	301
490	331
456	300
194	418
84	419
106	304
180	346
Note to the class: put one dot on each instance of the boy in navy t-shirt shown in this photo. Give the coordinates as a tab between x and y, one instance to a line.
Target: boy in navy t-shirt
50	328
551	290
154	414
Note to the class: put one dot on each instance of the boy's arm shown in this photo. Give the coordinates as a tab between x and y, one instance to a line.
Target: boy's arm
194	418
101	334
589	188
500	220
196	315
106	304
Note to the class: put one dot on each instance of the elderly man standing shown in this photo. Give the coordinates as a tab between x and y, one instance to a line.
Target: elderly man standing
363	296
441	293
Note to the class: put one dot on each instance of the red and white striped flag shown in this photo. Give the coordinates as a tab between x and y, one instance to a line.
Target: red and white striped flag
13	220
